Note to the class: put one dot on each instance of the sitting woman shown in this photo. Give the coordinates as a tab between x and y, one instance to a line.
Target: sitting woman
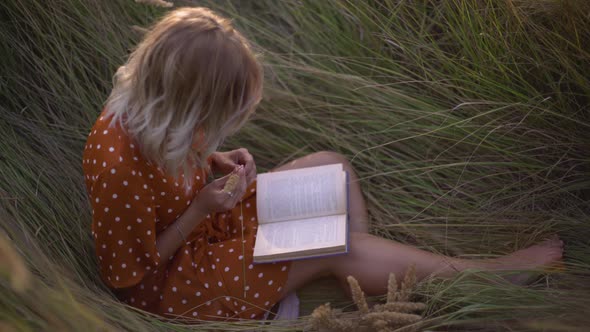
170	242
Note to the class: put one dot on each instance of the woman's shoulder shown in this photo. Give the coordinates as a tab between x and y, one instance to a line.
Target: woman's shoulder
108	148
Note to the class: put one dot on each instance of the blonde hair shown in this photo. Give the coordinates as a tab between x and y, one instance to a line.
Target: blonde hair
193	74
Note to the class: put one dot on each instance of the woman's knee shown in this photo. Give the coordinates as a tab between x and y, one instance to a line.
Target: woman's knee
333	157
305	271
315	159
358	241
355	252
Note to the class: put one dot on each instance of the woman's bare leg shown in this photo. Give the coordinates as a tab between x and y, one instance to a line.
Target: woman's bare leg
359	218
372	258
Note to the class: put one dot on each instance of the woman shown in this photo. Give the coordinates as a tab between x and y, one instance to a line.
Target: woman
170	243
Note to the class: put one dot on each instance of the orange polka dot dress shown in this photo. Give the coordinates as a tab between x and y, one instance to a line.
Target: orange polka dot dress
133	201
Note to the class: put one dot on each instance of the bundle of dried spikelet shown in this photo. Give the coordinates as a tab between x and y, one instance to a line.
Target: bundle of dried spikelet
395	314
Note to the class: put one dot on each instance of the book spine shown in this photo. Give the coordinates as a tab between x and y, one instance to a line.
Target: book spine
347	211
280	260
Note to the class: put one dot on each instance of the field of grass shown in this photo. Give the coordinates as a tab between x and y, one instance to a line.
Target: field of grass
466	120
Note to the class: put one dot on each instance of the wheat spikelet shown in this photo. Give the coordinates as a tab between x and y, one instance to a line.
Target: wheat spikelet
407	284
358	295
320	316
391	288
380	325
323	319
378	307
158	3
11	261
395	314
404	307
392	318
231	183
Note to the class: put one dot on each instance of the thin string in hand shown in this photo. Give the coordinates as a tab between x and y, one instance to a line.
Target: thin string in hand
243	250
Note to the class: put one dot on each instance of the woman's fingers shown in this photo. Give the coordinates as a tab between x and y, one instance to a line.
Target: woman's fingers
246	159
228	186
244	184
241	187
223	181
250	177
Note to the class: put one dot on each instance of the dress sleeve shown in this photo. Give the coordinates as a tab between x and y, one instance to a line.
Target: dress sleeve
124	226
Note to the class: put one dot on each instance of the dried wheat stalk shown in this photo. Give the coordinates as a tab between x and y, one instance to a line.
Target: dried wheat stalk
395	314
407	284
323	319
158	3
358	295
231	183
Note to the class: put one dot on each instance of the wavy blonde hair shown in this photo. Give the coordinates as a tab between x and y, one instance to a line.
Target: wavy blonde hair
193	74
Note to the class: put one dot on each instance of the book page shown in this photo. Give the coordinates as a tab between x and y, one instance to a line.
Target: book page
301	193
299	235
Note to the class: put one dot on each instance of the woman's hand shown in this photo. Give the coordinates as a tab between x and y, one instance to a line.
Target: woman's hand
212	198
225	162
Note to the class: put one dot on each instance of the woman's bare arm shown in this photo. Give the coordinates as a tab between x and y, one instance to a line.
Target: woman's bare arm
210	199
169	240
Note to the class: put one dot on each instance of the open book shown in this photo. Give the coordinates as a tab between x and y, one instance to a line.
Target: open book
302	213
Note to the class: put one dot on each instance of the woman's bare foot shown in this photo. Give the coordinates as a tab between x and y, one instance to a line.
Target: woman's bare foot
532	258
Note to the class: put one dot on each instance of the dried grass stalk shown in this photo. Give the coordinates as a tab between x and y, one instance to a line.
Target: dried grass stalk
11	261
391	288
323	319
407	284
158	3
139	30
358	295
380	325
393	315
392	318
404	307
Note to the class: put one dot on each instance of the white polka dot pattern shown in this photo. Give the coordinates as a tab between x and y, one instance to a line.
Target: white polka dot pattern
133	201
113	239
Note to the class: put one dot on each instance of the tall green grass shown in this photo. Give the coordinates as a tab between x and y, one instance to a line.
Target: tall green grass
467	123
